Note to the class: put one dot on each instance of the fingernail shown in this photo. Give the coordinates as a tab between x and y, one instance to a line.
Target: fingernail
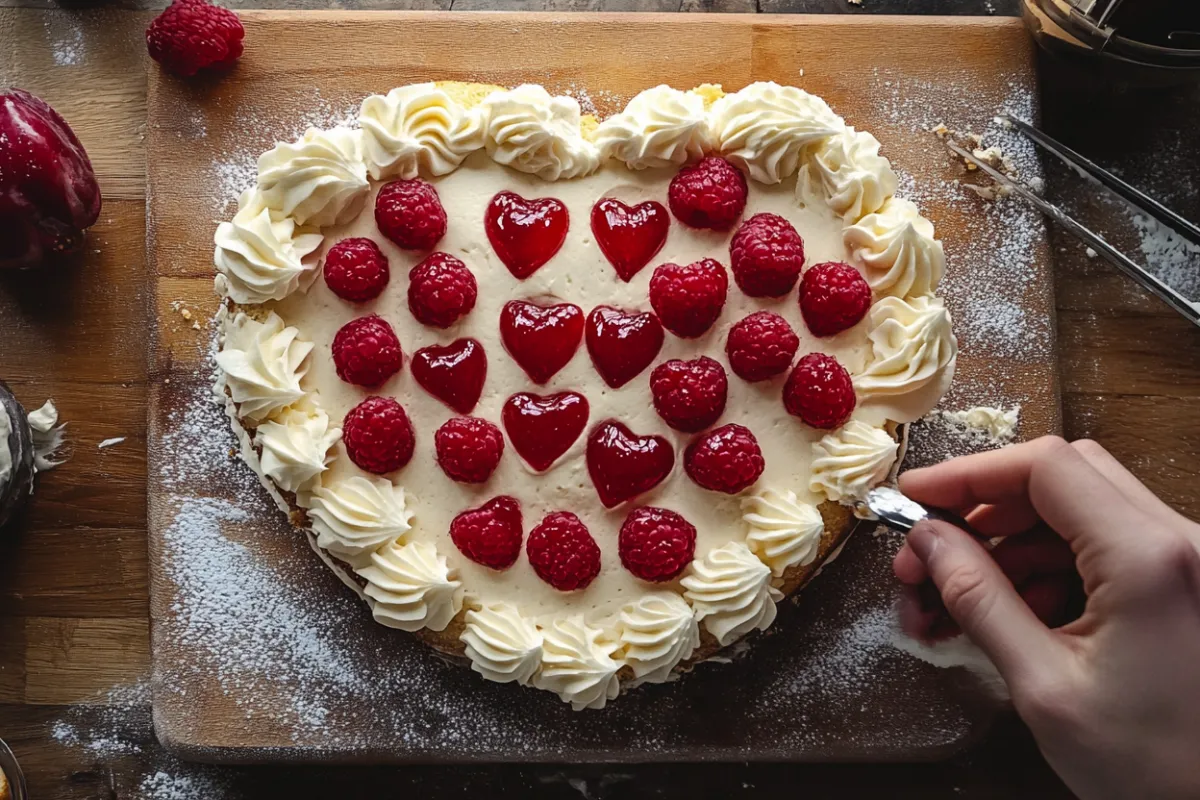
923	540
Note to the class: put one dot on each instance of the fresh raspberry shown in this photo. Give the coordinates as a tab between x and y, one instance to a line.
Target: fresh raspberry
356	270
366	351
819	391
562	552
710	194
689	395
410	214
440	290
378	436
766	256
761	346
689	299
192	35
833	297
468	449
491	534
656	544
726	459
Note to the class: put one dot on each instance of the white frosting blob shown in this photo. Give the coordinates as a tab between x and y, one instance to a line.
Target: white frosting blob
6	462
261	257
896	248
847	174
417	129
782	531
660	127
295	447
656	633
502	645
263	363
531	131
578	664
320	179
354	515
731	592
412	587
851	461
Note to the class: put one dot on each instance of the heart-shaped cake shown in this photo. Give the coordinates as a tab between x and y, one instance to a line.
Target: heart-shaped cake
576	400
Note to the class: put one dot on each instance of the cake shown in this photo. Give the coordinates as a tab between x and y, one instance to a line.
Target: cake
578	401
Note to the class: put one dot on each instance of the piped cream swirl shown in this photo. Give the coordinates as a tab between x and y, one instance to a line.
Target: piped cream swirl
731	592
261	257
357	514
295	447
853	459
896	247
263	363
531	131
578	663
656	633
660	127
847	174
412	587
781	530
417	129
913	351
320	179
502	645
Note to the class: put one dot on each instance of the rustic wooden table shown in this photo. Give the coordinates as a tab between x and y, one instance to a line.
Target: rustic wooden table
73	579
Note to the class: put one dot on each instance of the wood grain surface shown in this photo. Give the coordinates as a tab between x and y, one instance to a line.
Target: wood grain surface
1130	373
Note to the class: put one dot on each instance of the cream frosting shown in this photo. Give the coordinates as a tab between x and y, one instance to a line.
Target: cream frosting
295	447
412	587
263	363
656	633
47	436
417	129
897	250
782	530
6	462
260	257
578	664
847	173
731	592
355	515
531	131
502	645
320	179
913	351
660	127
851	460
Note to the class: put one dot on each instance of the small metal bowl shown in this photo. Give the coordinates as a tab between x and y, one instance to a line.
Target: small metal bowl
12	771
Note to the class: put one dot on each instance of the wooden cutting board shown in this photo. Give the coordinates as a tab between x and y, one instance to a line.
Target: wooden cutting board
260	654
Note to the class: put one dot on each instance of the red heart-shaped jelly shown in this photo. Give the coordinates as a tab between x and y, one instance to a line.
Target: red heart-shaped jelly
452	373
541	429
623	464
542	339
525	233
629	237
622	343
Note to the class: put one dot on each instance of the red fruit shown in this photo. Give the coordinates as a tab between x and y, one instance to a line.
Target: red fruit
621	343
453	373
761	346
623	464
819	391
192	35
440	290
48	191
356	270
410	214
563	553
491	534
541	429
689	395
378	436
656	544
542	339
709	194
366	352
689	299
629	237
468	449
766	256
726	459
833	297
525	233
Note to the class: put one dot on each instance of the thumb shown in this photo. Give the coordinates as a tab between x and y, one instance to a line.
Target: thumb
984	603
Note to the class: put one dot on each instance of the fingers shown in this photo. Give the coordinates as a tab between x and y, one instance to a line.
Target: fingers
1034	553
997	476
1116	474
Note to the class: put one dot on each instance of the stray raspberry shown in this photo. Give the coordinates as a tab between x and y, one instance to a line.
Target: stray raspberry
356	270
410	214
656	544
766	256
761	346
468	449
378	435
491	534
366	352
833	297
689	299
563	553
819	391
689	395
726	459
191	35
710	194
440	290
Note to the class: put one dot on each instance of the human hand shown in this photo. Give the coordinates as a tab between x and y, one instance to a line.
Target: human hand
1113	697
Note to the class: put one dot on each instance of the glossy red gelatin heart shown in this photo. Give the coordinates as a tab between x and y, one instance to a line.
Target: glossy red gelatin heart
623	464
452	373
541	429
622	343
542	339
629	237
525	233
